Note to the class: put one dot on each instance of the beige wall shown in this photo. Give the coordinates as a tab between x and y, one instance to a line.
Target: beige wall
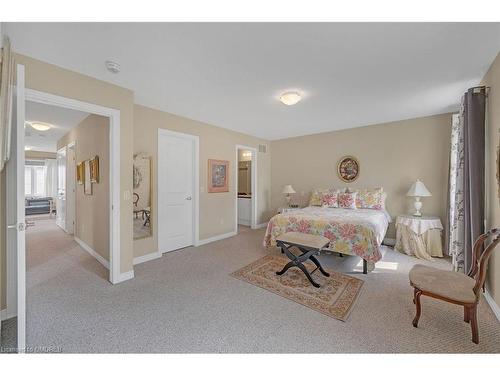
58	81
40	155
492	212
91	137
217	210
391	155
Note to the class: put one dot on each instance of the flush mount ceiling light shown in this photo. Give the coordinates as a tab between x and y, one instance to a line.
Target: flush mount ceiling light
112	66
40	126
290	98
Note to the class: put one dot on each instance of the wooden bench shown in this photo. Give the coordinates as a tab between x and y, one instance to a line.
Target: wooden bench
309	246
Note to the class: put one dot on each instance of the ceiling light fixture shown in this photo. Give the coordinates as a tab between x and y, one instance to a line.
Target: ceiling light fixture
40	126
290	98
112	66
27	148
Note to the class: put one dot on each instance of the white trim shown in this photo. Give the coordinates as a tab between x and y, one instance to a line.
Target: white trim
147	258
5	314
216	238
92	252
196	177
253	223
261	225
494	307
125	276
114	157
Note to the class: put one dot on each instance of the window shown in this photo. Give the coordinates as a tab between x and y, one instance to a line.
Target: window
34	180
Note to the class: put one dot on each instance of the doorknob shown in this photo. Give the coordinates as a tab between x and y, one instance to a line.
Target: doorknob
20	227
188	198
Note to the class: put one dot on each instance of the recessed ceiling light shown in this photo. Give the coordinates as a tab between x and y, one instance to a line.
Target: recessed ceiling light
112	66
40	126
290	98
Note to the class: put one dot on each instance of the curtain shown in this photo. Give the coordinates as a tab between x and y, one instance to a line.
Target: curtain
6	97
51	178
466	179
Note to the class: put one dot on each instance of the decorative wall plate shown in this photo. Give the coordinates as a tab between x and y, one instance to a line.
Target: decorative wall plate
348	168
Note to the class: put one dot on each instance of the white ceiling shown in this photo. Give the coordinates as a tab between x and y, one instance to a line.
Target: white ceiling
230	74
61	119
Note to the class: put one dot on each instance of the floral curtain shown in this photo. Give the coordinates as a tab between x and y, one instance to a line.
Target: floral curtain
466	180
456	190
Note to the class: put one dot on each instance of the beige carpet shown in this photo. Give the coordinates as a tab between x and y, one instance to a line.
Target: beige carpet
335	297
187	302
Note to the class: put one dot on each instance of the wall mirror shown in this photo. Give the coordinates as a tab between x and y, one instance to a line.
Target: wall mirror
142	194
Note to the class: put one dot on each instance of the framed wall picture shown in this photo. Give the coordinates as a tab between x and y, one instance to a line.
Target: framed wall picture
348	168
87	184
218	176
94	169
80	173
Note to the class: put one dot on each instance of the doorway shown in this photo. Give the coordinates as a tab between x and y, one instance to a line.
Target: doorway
178	181
16	189
246	187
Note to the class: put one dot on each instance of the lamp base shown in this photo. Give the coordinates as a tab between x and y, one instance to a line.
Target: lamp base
418	207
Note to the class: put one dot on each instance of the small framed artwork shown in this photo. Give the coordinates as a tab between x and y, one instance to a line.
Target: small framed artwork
94	169
80	173
218	179
87	184
348	168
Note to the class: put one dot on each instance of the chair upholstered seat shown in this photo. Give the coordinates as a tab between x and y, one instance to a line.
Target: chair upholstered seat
448	284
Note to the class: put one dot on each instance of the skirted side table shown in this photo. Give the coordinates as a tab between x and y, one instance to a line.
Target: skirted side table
419	236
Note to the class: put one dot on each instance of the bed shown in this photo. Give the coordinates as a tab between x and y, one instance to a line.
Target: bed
357	232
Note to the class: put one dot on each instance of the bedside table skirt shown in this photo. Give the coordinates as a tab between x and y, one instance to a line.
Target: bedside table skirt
423	246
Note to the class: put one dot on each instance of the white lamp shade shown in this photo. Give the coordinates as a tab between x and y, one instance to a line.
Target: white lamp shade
418	189
288	189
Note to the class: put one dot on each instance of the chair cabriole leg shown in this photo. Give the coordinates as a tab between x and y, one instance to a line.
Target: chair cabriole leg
416	298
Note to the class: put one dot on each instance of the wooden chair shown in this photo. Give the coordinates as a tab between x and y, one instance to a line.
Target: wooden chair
456	287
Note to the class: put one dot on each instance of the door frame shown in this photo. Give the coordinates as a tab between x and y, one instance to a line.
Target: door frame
196	182
58	152
115	275
71	165
254	152
16	256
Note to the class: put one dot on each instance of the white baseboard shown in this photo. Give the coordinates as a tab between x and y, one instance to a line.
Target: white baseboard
5	314
261	225
216	238
389	241
494	307
124	277
146	258
92	252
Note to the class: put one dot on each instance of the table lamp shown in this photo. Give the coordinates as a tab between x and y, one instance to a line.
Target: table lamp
288	189
418	190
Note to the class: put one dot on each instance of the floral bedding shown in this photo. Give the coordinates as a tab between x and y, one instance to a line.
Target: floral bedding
358	232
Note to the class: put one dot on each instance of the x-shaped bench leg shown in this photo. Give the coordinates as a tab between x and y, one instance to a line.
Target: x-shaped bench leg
296	261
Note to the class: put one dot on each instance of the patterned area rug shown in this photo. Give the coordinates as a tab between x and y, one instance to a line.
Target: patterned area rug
335	298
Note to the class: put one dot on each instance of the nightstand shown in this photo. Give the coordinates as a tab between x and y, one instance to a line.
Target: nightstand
419	236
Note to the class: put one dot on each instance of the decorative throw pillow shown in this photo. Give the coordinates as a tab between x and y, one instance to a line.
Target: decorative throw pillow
330	199
317	197
347	200
373	199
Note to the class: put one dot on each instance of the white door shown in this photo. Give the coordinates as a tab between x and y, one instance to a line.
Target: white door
16	251
176	176
61	189
70	188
